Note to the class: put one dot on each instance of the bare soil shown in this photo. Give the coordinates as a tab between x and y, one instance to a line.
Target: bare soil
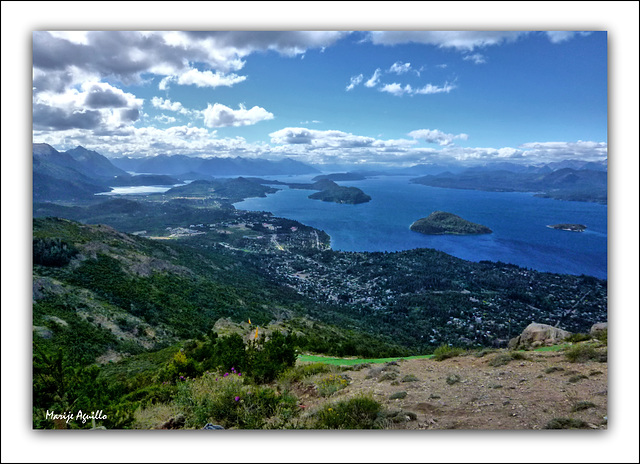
523	394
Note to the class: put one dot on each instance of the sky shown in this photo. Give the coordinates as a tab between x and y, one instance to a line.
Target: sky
387	98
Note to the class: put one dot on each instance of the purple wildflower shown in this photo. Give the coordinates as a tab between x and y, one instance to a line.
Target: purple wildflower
226	374
237	398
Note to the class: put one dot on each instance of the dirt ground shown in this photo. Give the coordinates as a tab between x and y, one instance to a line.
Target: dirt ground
467	392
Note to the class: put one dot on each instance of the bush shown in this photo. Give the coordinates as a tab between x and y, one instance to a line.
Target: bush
453	379
52	252
584	353
297	373
360	412
330	384
445	351
409	378
270	358
228	401
566	423
505	358
578	337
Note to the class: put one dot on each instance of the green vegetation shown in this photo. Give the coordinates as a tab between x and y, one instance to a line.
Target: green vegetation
440	222
585	352
360	412
445	352
453	379
505	358
566	423
569	227
329	384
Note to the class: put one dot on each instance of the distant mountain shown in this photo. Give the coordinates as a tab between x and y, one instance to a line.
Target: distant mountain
58	176
563	184
181	165
94	164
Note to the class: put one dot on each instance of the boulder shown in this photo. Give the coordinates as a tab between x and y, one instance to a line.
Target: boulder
536	335
597	329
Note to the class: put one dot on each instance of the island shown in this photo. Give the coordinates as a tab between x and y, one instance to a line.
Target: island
569	227
330	191
440	223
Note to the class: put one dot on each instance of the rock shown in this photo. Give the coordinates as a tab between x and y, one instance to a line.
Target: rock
42	332
211	426
597	329
174	423
535	335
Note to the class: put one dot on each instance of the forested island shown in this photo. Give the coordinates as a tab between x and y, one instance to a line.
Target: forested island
330	191
440	222
569	227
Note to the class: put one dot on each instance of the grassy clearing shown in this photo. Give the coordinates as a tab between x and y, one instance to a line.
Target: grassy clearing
352	362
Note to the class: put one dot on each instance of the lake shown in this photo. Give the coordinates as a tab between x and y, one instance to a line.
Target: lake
518	220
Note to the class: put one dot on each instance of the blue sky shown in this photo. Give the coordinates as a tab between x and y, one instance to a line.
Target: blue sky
325	97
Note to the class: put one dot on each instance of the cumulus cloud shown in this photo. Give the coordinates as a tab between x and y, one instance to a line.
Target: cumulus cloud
355	80
373	81
396	89
161	103
218	115
164	119
400	68
208	78
436	136
93	105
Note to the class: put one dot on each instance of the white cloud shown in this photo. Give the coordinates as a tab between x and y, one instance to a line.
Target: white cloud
373	81
460	40
164	119
436	136
167	104
477	58
208	78
563	36
558	151
400	68
218	115
355	80
396	89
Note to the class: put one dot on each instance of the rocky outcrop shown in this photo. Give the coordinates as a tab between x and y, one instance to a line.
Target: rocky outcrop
536	335
598	329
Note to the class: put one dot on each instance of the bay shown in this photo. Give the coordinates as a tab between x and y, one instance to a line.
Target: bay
518	220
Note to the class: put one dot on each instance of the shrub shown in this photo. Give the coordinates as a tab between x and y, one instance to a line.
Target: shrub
297	373
582	405
398	395
577	378
328	385
445	351
53	252
269	358
578	337
505	358
583	353
228	401
566	423
360	412
453	379
409	378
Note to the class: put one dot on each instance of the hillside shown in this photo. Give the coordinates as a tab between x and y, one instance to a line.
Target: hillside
563	184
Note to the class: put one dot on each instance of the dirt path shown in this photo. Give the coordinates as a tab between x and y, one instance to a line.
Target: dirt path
468	393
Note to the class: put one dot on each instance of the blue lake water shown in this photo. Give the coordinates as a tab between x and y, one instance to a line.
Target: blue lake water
518	220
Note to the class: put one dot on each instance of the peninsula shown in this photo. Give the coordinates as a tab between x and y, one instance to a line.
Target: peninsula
440	222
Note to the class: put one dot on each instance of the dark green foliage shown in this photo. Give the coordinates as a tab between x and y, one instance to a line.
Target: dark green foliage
359	412
230	352
445	352
453	379
398	395
271	357
584	352
440	222
578	337
582	405
52	252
